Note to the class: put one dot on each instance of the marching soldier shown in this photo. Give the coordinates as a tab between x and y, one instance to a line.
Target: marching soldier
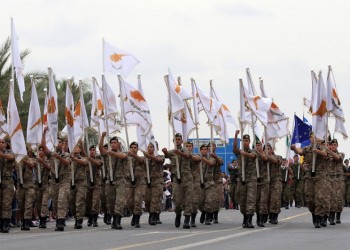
183	184
94	191
233	171
286	185
296	186
346	170
7	163
246	188
79	186
154	192
262	187
43	190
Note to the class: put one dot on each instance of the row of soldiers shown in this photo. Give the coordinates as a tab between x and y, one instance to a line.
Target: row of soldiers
261	173
83	182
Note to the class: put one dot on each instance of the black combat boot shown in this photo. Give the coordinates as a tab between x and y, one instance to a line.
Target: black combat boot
202	218
94	220
89	222
133	220
118	222
313	218
317	221
157	218
60	225
244	223
331	218
1	223
323	221
338	221
114	223
207	218
215	216
105	218
258	219
276	219
193	220
79	224
286	205
25	225
249	221
152	219
5	225
137	221
42	222
178	220
186	224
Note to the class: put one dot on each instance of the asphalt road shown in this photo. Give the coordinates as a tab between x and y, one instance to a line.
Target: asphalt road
294	231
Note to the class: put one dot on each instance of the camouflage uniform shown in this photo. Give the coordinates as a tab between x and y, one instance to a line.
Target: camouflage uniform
6	191
233	185
286	187
219	187
275	189
78	194
196	187
43	194
262	193
109	189
316	193
119	189
296	187
183	188
340	190
208	196
94	192
247	190
346	170
26	194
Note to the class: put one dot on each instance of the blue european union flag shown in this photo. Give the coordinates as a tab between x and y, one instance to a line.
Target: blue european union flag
301	132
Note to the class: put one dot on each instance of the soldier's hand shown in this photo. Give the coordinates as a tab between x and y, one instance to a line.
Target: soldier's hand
177	152
292	147
165	151
104	134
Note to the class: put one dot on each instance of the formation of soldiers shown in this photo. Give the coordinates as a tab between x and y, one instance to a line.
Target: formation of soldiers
86	183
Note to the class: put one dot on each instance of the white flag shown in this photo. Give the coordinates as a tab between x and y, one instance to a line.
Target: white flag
319	110
110	108
17	62
97	108
3	124
15	130
34	125
210	106
117	60
52	111
48	136
69	114
180	90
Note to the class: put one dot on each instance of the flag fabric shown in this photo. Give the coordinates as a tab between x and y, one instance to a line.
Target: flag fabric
80	114
183	122
177	105
110	109
180	90
15	130
258	105
52	111
34	125
334	105
48	136
97	108
118	61
209	105
319	109
301	132
69	115
17	62
3	124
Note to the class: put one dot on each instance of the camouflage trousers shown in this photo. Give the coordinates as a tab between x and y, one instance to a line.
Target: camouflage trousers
6	196
340	195
347	192
196	194
275	196
233	193
297	191
110	198
103	198
42	201
247	197
119	185
317	195
182	195
54	193
135	194
220	195
93	200
286	193
26	200
262	197
78	199
208	198
153	197
332	194
63	191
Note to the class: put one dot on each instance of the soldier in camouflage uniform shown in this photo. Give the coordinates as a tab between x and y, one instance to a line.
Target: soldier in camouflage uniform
275	162
43	189
296	186
7	163
218	180
247	188
346	170
79	186
233	171
154	192
94	191
262	187
208	196
336	170
316	182
115	186
183	184
135	189
286	183
195	163
26	191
